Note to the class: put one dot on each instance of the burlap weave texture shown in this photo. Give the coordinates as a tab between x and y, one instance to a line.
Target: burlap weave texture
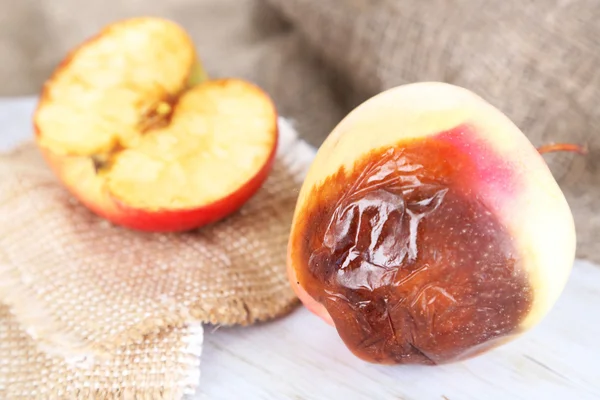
164	366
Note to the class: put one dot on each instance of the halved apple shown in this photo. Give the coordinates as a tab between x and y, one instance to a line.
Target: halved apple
131	126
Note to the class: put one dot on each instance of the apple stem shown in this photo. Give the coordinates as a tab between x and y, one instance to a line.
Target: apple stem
552	147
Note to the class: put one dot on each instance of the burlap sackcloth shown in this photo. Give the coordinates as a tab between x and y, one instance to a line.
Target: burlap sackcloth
538	61
81	287
163	366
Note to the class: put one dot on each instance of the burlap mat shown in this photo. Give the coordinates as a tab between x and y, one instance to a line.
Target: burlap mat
80	284
165	366
536	60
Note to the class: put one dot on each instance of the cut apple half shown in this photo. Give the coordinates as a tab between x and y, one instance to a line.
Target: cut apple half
134	130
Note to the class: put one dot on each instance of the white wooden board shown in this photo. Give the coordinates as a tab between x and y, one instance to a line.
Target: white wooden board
300	357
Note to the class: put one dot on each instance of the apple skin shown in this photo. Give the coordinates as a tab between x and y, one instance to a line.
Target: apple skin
77	174
520	190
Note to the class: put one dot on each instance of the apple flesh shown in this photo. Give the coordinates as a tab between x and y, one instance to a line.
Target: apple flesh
429	229
133	129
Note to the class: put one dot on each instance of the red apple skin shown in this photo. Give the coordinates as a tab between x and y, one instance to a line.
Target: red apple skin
311	304
119	213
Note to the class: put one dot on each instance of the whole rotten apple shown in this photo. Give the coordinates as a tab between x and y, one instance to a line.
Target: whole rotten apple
132	128
429	229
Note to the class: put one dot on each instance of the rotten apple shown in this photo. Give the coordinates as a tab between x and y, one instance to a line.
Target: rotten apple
429	229
133	129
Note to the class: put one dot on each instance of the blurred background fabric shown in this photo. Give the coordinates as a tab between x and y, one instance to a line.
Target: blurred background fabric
537	61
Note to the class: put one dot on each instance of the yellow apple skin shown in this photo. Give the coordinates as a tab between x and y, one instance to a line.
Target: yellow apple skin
529	205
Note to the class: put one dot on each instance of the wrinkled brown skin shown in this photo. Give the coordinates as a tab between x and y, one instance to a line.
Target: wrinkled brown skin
410	265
